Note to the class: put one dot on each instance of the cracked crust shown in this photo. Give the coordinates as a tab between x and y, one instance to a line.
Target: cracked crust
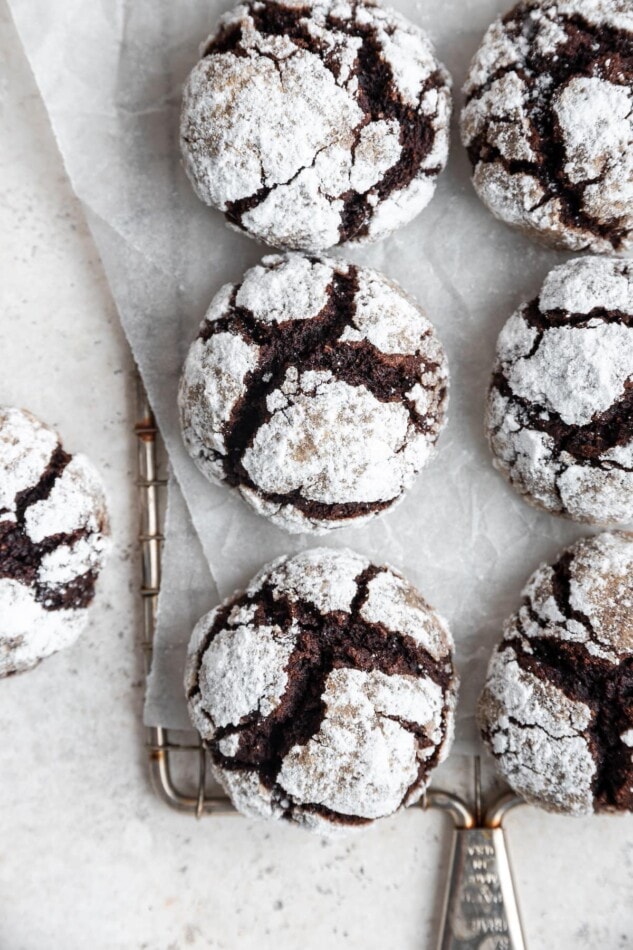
53	539
317	389
557	708
325	693
548	122
311	125
560	406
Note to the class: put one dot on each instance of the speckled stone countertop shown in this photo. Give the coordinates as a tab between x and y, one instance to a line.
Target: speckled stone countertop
88	856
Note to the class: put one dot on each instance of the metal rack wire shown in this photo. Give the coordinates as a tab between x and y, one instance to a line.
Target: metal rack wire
480	893
162	745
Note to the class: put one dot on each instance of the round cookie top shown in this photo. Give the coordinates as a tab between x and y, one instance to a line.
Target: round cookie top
325	693
311	125
315	387
548	122
560	407
53	538
557	710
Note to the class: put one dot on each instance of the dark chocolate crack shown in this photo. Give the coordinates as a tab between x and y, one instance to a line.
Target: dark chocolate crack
325	642
21	558
40	492
378	97
590	50
607	689
380	100
587	443
315	344
562	318
605	686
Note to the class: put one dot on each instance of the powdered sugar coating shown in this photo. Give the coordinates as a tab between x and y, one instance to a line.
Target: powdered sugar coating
265	290
53	540
70	506
392	601
575	375
30	630
216	373
536	735
362	762
559	408
361	712
548	122
314	418
320	398
316	125
324	578
554	710
243	672
27	446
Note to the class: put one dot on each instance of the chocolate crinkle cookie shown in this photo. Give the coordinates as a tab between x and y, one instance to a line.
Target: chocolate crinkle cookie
325	693
314	124
548	122
560	408
53	538
315	387
557	707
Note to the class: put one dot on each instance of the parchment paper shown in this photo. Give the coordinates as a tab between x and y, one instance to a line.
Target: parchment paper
111	75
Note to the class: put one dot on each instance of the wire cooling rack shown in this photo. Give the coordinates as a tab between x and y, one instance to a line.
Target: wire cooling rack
480	907
171	751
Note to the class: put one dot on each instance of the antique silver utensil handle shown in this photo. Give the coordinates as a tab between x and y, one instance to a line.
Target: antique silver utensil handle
480	908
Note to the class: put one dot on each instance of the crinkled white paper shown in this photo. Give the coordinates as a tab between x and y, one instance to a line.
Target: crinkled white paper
111	75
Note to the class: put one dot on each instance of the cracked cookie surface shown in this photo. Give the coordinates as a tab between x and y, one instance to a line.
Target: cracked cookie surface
557	707
560	406
53	538
311	125
316	388
325	693
548	122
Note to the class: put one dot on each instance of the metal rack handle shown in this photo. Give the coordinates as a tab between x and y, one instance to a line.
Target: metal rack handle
480	906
